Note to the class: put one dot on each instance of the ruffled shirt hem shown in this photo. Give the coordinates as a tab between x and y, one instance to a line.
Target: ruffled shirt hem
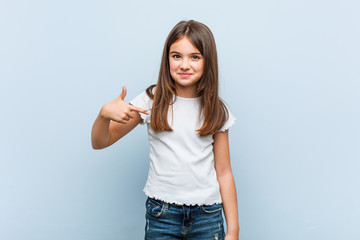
228	124
179	203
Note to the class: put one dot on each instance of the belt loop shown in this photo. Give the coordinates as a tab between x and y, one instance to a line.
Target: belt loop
166	206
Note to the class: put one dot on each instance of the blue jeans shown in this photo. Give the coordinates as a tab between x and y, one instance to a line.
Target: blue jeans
165	221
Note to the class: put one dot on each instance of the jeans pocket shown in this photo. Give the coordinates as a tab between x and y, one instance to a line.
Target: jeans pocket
154	207
212	208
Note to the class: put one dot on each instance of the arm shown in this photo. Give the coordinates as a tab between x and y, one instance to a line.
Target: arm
227	183
115	120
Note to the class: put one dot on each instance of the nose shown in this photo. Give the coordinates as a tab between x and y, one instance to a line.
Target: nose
185	64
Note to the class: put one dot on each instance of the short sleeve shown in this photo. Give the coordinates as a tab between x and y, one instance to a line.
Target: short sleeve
143	101
230	121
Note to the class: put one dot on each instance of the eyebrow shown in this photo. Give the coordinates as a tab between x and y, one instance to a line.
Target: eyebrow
195	53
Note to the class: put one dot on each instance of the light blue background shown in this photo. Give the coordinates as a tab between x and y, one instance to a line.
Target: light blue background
289	72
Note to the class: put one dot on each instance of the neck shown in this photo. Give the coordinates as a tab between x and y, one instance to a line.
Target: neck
186	92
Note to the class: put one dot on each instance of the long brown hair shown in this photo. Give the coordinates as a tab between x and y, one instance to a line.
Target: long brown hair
213	109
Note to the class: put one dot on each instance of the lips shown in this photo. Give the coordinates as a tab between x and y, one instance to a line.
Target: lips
185	75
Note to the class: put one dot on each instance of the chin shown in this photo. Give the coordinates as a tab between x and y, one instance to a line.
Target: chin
185	84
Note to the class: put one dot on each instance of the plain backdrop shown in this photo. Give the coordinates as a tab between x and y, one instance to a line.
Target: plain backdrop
289	70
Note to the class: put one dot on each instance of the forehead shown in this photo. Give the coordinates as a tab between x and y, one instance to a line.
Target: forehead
183	45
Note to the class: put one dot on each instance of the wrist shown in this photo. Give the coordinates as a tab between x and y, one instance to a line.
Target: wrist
102	112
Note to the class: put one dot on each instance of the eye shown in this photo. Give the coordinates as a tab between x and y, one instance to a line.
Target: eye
176	56
196	57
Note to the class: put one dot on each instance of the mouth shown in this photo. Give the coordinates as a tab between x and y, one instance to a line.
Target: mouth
185	75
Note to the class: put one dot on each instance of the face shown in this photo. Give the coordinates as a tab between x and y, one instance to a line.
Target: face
186	66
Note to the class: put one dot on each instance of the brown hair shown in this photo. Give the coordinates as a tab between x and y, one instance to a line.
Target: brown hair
213	109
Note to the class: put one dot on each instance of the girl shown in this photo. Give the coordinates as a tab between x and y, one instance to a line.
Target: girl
190	180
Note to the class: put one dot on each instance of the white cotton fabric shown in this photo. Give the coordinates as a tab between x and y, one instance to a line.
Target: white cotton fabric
181	167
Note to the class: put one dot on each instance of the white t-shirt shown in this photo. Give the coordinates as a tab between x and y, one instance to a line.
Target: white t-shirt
181	162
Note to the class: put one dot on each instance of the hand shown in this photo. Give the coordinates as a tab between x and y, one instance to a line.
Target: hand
119	111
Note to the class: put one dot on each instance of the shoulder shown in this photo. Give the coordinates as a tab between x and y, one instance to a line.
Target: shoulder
145	98
224	105
230	118
150	91
145	101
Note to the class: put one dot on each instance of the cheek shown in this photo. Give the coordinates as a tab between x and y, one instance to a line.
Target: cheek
173	65
173	69
199	68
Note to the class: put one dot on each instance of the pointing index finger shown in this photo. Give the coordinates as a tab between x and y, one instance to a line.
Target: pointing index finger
140	110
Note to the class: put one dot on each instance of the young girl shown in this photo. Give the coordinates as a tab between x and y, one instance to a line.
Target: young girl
190	180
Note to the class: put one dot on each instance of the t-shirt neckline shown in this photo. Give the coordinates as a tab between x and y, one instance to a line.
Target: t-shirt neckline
187	99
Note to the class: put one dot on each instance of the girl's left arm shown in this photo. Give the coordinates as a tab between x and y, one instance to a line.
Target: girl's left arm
227	183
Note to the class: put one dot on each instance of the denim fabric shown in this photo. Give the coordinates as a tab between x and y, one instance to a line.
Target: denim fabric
165	221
